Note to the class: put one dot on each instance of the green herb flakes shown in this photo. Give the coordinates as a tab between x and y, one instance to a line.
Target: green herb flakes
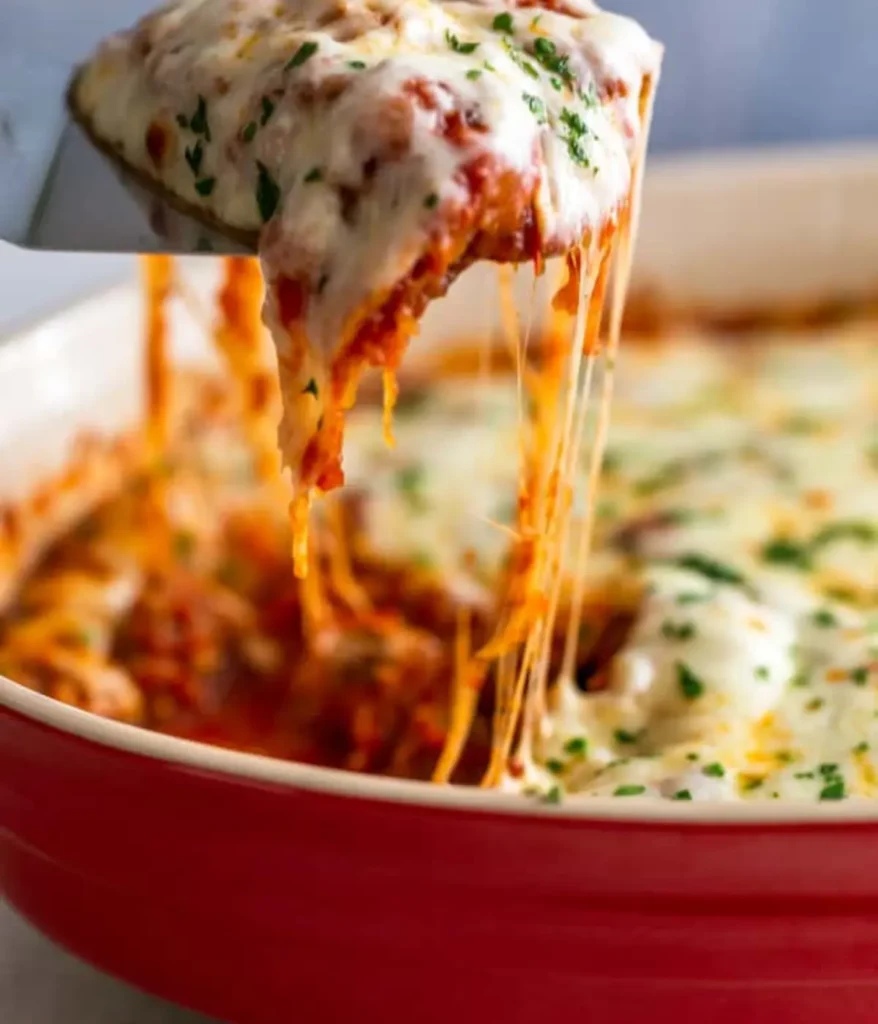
860	675
457	45
474	74
547	54
315	174
311	388
834	790
267	111
248	131
194	155
198	123
824	618
714	770
678	630
305	52
690	685
205	186
267	192
554	766
503	23
536	106
682	794
410	483
431	201
577	746
783	551
624	736
629	790
710	568
357	65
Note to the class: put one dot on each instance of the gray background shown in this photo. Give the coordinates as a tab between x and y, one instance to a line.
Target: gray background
738	72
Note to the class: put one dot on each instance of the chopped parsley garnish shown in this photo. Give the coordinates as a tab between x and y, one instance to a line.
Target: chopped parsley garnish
554	766
473	74
678	630
457	45
783	551
556	83
267	192
267	110
852	529
691	598
573	121
690	685
629	790
503	23
198	123
431	201
833	790
710	568
311	388
553	796
357	65
536	106
751	782
576	747
517	57
248	131
824	618
693	755
804	775
815	705
828	769
315	174
624	736
410	483
762	672
194	156
547	54
205	186
861	748
682	794
714	770
860	675
589	96
305	52
182	120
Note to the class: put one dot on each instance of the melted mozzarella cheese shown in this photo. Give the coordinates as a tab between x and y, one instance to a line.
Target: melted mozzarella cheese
380	145
740	498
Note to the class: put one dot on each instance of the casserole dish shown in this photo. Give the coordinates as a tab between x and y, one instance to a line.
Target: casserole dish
259	890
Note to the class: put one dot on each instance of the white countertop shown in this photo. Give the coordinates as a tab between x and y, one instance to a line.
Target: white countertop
41	984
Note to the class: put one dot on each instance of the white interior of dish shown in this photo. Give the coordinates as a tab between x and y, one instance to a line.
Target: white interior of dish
723	232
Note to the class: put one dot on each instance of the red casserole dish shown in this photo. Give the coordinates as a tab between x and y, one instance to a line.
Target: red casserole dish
259	890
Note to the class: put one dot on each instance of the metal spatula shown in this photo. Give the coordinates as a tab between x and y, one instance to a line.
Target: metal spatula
58	192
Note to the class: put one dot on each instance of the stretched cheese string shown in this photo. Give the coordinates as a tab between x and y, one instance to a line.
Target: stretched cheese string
555	477
621	281
238	335
158	279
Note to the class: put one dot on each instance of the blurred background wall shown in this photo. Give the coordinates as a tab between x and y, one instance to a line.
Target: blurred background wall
737	72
